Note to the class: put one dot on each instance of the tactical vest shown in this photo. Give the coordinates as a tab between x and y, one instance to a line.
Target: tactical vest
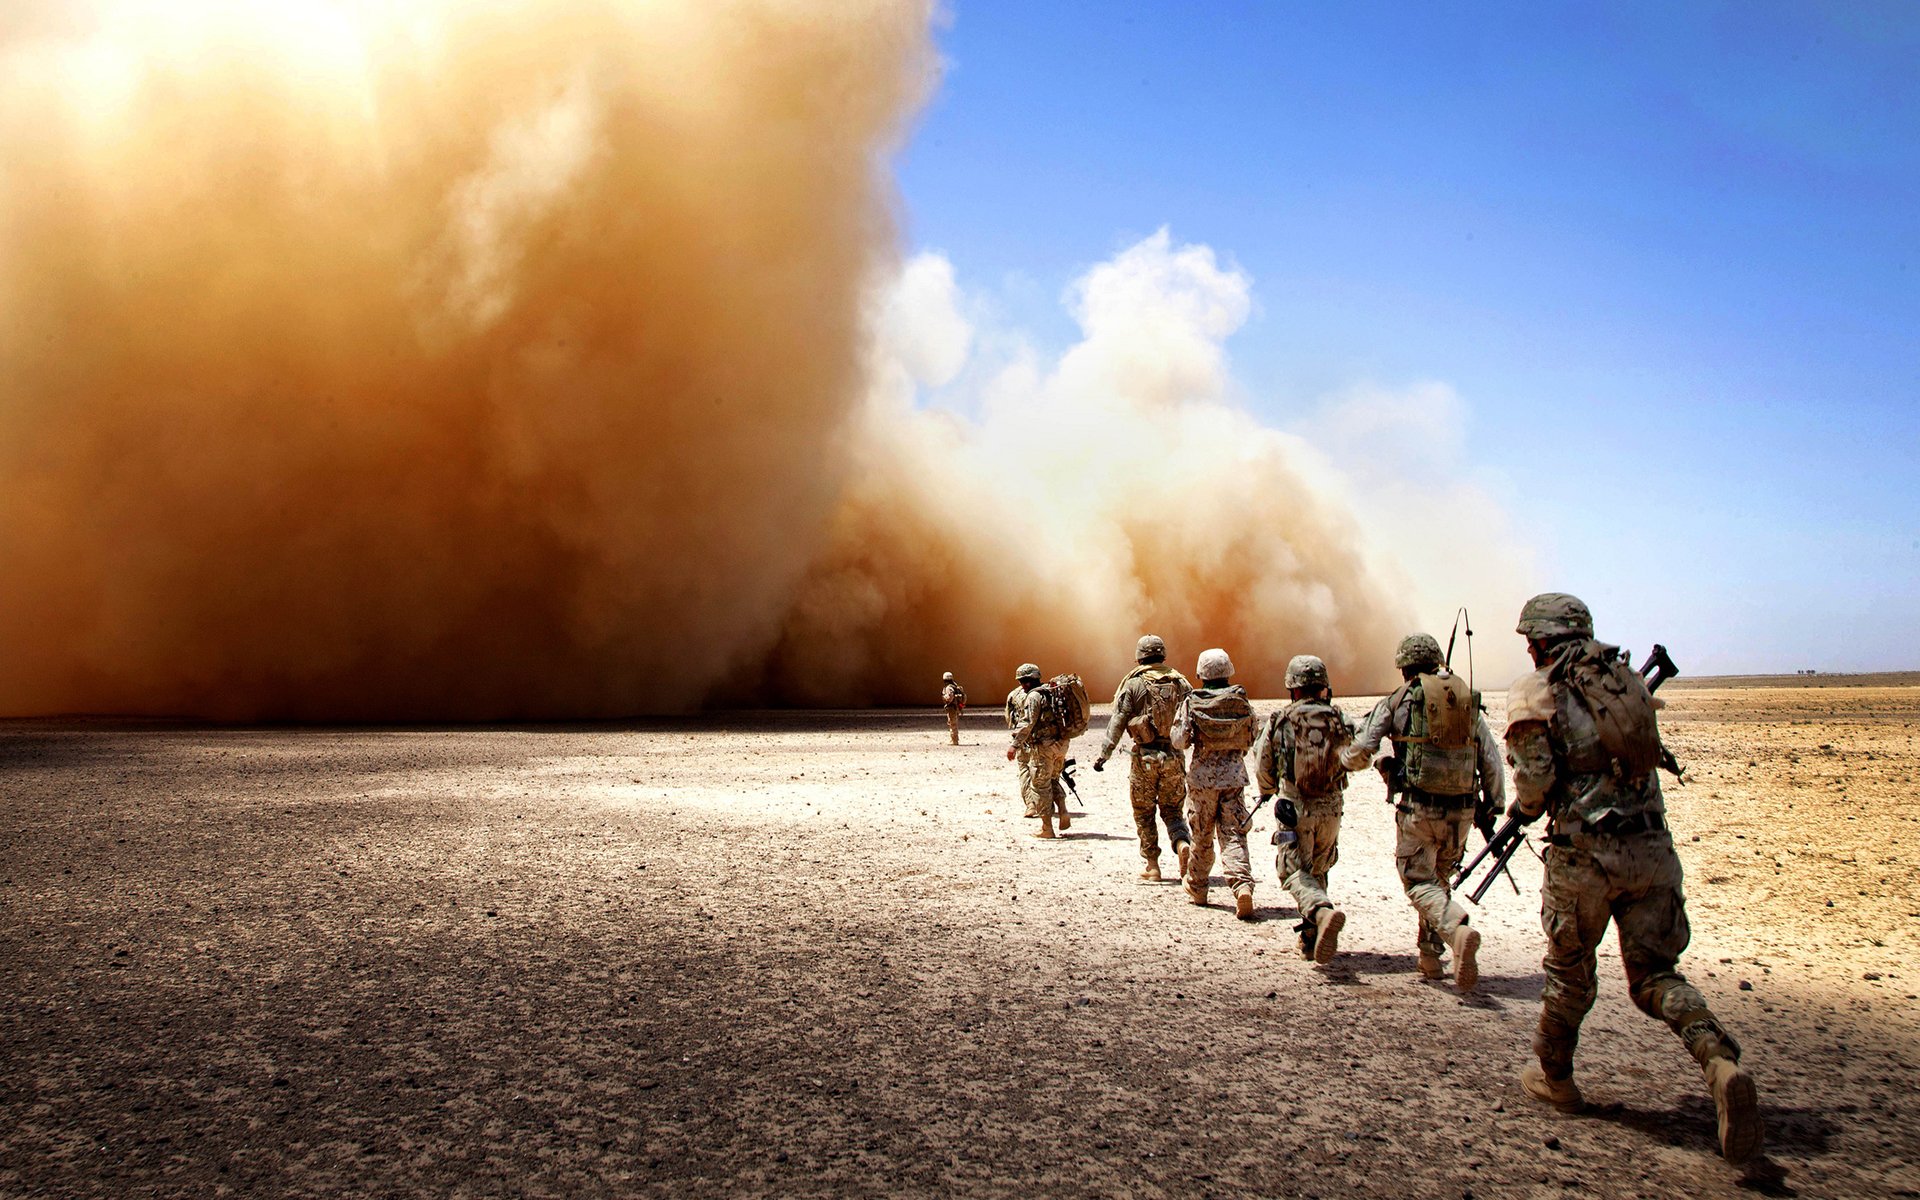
1316	732
1438	753
1222	719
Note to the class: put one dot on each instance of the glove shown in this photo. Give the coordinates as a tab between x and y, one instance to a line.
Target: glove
1483	818
1516	813
1289	815
1100	764
1009	753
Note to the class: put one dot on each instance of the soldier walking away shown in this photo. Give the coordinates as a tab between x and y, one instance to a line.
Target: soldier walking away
1144	706
1040	747
1298	756
1584	743
953	698
1444	756
1216	720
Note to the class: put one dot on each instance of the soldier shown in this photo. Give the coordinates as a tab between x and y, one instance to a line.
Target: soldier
1298	756
1216	720
1584	744
1144	706
953	698
1040	747
1441	744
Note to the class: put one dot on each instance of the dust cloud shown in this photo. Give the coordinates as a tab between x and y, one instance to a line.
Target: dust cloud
439	360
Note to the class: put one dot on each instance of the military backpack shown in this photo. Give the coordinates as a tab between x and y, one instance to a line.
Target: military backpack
1316	733
1063	708
1165	690
1439	753
1622	709
1222	718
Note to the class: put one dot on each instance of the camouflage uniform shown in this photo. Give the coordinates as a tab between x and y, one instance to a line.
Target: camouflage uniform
1216	809
1157	779
953	699
1430	830
1041	760
1304	863
1609	857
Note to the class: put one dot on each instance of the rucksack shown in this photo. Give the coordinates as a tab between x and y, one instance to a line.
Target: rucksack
954	697
1441	757
1622	709
1316	733
1222	720
1165	690
1065	697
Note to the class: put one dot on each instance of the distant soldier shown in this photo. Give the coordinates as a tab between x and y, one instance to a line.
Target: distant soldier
1298	756
1444	757
1144	707
1040	747
1216	720
1584	742
953	698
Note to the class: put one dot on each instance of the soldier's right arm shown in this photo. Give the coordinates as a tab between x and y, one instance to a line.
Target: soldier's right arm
1530	708
1117	723
1266	755
1358	754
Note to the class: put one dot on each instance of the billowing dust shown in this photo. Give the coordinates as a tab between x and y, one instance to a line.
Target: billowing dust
443	360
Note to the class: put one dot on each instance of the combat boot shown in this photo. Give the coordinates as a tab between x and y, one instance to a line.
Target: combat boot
1243	905
1151	872
1429	963
1563	1094
1046	828
1741	1131
1066	822
1466	964
1181	852
1326	936
1196	895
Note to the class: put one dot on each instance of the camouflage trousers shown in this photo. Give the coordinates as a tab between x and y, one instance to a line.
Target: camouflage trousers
1040	787
1157	783
1219	814
953	725
1634	882
1304	863
1428	843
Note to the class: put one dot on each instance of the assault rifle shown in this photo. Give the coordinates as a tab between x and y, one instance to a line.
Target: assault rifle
1512	833
1066	777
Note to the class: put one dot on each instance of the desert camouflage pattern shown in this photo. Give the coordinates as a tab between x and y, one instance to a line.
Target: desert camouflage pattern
1157	784
1592	876
1428	843
1304	864
1131	702
1634	882
1211	767
1219	816
1042	791
1393	716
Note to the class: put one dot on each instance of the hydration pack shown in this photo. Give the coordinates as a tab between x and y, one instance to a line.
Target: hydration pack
1222	719
1316	733
1440	757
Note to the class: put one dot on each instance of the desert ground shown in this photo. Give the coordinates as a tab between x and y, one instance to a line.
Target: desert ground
816	954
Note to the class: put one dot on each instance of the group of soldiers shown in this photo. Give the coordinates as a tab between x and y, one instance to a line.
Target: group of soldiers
1582	741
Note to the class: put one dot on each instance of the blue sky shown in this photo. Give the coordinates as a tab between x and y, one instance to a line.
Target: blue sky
1669	257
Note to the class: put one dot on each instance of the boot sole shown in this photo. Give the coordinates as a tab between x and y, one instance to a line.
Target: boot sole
1327	943
1466	967
1741	1132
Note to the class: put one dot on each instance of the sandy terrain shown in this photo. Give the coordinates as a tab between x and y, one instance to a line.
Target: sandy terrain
815	955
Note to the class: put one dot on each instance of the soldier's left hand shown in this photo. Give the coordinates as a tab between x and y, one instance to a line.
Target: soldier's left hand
1099	764
1009	753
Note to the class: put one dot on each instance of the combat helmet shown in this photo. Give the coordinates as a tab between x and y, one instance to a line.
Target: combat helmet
1418	650
1028	673
1306	671
947	678
1149	649
1214	664
1555	614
